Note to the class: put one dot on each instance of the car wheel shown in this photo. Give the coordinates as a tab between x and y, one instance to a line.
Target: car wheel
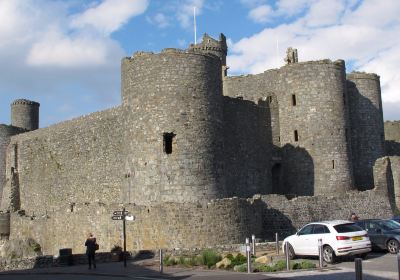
292	255
393	246
328	254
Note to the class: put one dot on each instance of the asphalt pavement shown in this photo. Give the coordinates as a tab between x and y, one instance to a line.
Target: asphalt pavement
375	267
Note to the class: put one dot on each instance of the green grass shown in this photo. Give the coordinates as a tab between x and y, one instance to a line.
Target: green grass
210	258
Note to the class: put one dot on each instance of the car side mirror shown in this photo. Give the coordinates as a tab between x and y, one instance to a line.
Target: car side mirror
378	230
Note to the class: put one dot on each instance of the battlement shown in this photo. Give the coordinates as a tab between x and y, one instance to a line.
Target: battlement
212	46
25	102
362	75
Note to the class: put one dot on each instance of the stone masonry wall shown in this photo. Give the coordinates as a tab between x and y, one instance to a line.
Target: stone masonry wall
186	225
72	162
6	131
310	97
392	138
247	148
285	216
178	94
167	225
367	135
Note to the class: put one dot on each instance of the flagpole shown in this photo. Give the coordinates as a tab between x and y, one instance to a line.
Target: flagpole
277	52
194	24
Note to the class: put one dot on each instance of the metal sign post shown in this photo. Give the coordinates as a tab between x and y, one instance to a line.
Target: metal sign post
124	230
123	215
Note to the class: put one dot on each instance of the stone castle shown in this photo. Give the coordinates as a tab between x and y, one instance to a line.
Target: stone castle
201	158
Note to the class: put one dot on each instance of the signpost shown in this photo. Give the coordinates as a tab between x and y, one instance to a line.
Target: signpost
123	215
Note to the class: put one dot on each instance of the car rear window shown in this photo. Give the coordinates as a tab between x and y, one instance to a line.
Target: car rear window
350	227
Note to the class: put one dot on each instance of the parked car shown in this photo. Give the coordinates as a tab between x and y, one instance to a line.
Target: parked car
396	219
384	234
339	238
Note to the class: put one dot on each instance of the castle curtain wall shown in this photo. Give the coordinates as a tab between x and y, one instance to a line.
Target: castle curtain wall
77	161
314	149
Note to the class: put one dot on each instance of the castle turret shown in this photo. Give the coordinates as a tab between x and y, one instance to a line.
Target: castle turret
210	45
313	125
174	137
25	114
367	130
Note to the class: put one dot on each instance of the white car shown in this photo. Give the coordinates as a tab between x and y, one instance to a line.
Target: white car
339	238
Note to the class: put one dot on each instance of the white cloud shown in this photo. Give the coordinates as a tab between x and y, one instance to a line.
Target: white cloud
55	49
366	36
46	58
325	12
159	19
261	14
109	15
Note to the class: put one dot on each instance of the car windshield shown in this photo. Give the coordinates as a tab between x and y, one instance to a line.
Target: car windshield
388	224
350	227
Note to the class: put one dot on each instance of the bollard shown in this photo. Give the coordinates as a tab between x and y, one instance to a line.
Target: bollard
358	266
248	255
398	263
287	256
320	253
161	261
277	243
253	243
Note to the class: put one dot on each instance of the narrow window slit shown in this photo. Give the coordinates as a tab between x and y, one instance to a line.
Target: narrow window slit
294	100
296	136
168	138
333	164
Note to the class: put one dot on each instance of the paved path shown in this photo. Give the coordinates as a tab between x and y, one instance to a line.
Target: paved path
376	267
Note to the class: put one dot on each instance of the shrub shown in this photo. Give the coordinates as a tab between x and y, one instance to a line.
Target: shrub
307	265
210	258
241	267
168	261
281	265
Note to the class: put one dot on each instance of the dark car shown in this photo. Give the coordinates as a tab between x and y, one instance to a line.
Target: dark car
396	219
384	234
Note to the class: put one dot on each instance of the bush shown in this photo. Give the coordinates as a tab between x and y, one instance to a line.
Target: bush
168	261
210	258
307	265
241	267
281	265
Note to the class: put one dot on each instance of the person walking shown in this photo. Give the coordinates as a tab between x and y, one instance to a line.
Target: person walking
91	246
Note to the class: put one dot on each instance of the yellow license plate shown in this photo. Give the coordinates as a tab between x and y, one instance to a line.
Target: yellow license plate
355	238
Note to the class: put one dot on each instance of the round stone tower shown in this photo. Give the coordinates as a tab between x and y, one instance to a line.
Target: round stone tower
367	128
174	114
25	114
313	124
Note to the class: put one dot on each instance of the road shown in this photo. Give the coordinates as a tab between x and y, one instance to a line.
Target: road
376	267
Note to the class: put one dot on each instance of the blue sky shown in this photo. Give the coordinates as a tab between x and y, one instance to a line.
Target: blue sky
66	54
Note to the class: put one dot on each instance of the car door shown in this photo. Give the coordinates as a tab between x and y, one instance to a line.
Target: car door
375	234
319	232
304	237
